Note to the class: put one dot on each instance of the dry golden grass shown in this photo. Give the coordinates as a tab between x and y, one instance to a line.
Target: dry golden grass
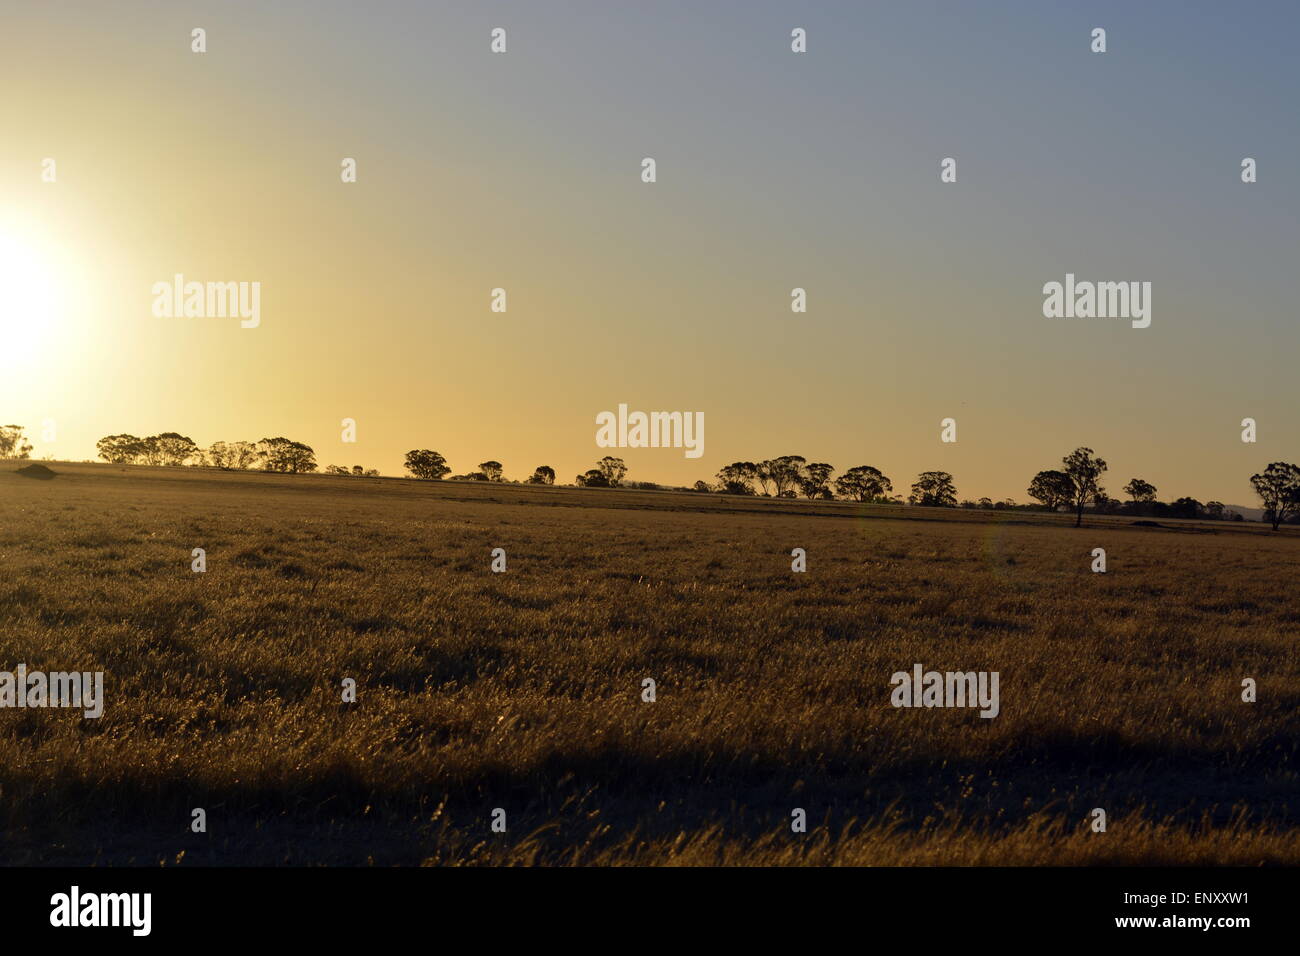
522	690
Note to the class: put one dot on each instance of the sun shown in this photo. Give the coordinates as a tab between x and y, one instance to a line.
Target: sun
31	301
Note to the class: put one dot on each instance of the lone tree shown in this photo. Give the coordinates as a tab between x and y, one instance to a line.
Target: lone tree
493	470
612	469
544	475
1052	488
1278	487
934	489
1142	492
1084	469
863	483
426	463
12	442
815	480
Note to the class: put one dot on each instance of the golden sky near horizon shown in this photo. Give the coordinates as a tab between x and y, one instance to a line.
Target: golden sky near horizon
522	171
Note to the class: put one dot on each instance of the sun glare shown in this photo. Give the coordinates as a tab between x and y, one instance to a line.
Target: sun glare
31	301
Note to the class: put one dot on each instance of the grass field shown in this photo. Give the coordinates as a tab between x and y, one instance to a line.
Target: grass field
522	690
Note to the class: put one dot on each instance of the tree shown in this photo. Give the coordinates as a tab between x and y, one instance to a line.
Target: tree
285	456
243	454
118	449
1278	487
175	449
613	469
543	475
358	471
1214	510
494	470
863	483
1187	508
1142	492
1052	488
337	470
985	503
149	452
218	455
425	463
815	480
1084	470
231	455
934	489
703	487
736	478
594	478
763	472
785	473
13	444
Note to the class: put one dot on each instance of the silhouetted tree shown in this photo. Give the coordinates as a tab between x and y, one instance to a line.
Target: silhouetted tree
785	472
1052	488
175	449
149	452
13	444
736	478
285	456
544	475
1084	469
118	449
1142	492
594	478
494	470
815	480
934	489
426	463
863	483
613	469
1278	487
231	455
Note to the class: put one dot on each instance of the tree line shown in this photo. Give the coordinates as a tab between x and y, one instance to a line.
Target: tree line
1075	486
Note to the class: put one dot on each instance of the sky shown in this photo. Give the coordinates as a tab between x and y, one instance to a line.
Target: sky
775	170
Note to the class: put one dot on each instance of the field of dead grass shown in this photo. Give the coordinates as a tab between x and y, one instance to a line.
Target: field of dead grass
522	690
